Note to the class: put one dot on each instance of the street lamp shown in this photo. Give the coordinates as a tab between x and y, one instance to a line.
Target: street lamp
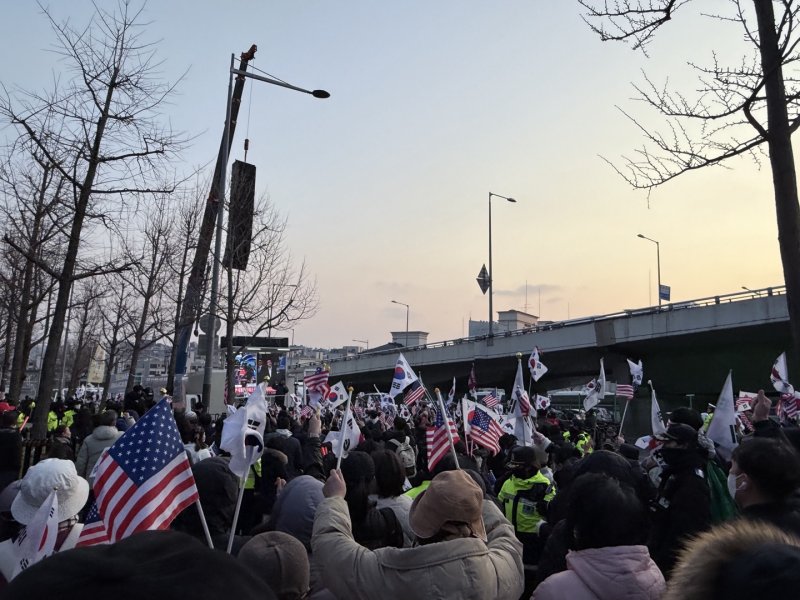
408	310
224	151
658	262
491	282
363	342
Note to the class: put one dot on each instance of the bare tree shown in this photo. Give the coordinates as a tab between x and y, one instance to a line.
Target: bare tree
272	293
86	310
146	282
189	204
116	326
751	108
109	145
34	214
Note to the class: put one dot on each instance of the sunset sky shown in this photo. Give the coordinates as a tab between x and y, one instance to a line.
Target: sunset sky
433	105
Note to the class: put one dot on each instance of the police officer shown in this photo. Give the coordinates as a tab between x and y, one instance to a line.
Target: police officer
525	496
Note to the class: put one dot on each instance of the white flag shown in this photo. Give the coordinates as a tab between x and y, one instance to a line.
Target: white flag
780	376
351	432
722	429
338	395
656	421
637	372
403	377
542	402
595	389
38	539
451	395
467	406
247	422
536	367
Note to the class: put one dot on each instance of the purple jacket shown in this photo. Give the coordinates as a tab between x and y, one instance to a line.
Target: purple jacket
612	573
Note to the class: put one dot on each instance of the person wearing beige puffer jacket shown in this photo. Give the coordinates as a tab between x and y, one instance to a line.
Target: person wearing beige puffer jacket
467	548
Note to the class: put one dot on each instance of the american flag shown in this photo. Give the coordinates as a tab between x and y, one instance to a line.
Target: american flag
788	405
94	530
491	400
316	380
414	393
437	440
472	383
524	402
485	431
306	411
144	480
625	391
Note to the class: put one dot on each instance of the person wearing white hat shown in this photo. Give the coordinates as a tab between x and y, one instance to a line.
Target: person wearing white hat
72	492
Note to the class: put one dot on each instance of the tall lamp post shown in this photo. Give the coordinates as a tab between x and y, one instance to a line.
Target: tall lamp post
225	150
491	281
658	262
408	310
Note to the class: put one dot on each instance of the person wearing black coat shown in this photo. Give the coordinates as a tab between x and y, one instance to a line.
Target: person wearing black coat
764	481
372	527
10	448
682	507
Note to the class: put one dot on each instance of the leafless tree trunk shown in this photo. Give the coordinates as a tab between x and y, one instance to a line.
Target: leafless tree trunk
188	221
739	110
148	281
108	145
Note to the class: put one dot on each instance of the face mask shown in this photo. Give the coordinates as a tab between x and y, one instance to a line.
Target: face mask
732	488
671	455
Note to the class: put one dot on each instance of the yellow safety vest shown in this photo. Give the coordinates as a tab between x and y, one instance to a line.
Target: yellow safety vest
416	491
520	498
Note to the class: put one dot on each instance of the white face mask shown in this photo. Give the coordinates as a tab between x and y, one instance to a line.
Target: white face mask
732	488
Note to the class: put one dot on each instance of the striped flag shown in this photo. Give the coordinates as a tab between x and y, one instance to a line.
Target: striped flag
472	383
306	411
144	480
316	380
625	391
414	393
94	530
485	430
491	400
437	440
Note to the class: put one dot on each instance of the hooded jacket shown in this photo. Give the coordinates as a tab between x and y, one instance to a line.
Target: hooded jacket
464	568
612	573
102	437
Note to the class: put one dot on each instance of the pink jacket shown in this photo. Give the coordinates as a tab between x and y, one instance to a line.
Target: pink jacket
612	573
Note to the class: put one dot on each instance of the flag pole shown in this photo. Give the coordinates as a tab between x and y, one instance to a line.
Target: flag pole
622	420
250	450
343	428
465	420
204	523
446	418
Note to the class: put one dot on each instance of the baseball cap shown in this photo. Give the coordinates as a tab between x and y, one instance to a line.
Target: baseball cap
679	432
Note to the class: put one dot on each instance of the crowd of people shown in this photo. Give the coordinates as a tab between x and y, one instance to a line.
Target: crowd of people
559	518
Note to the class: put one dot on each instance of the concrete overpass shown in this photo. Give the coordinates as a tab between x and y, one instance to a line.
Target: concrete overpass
687	349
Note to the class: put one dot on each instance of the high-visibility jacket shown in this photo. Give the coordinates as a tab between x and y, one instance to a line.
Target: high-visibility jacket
69	418
416	491
52	420
584	445
252	472
521	498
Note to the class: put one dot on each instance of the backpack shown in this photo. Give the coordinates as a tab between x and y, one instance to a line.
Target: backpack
723	508
406	455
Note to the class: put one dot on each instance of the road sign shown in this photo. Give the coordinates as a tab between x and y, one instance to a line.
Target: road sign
483	279
663	292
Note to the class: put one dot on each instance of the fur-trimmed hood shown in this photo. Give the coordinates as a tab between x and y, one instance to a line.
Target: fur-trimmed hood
739	559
